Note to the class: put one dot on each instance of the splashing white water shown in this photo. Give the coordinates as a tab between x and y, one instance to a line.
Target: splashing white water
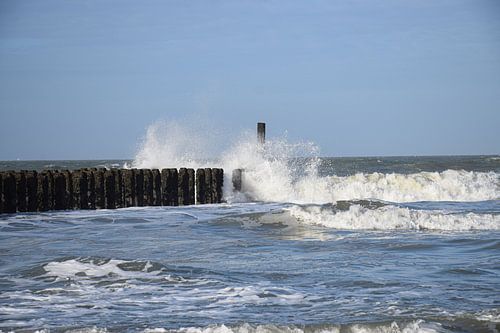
170	145
391	218
272	172
449	185
417	326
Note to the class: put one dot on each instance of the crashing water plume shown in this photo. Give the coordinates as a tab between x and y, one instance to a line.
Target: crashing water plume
280	171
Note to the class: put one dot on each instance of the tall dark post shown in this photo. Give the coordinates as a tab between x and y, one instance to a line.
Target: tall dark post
139	187
208	186
1	192
9	192
261	133
21	191
60	199
91	189
68	189
200	186
191	190
43	192
118	188
99	188
32	191
218	184
109	189
213	188
129	188
237	173
75	179
80	189
52	188
183	187
148	187
156	187
169	187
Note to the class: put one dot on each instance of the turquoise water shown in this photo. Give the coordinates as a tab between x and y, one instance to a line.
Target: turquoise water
384	245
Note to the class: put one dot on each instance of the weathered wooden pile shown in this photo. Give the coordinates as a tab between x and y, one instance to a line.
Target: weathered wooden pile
31	191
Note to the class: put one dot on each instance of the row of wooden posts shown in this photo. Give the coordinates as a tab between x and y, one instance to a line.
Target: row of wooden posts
31	191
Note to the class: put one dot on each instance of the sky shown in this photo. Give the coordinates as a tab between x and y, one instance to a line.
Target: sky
84	79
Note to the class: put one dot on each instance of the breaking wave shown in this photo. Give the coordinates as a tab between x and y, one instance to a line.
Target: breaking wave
389	217
280	171
417	326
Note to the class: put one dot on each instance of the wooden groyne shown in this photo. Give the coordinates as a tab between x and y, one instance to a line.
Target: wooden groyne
32	191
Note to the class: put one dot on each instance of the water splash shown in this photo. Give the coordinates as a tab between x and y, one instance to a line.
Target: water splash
270	170
282	171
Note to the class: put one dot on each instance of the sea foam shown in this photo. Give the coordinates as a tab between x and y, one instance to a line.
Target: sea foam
391	217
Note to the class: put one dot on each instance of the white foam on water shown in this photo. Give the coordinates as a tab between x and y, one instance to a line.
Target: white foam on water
449	185
272	174
417	326
390	217
79	270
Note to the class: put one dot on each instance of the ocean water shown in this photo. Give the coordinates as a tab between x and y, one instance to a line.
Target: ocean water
394	244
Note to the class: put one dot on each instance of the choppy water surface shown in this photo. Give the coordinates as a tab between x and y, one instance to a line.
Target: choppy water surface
379	249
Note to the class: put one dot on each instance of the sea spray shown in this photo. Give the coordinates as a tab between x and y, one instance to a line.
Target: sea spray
270	170
281	171
173	144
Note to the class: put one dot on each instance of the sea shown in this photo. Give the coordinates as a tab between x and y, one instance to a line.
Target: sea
310	244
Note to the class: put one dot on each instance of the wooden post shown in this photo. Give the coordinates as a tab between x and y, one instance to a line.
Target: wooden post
118	188
148	187
109	189
60	201
91	188
99	188
1	192
68	190
32	191
208	186
9	192
156	187
80	189
43	192
129	188
218	183
213	187
139	187
191	191
169	187
237	173
21	191
183	187
261	133
200	186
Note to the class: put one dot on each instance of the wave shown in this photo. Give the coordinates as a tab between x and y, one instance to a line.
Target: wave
388	217
449	185
273	173
419	326
400	326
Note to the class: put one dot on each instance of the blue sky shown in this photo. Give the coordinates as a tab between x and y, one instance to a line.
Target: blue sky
83	79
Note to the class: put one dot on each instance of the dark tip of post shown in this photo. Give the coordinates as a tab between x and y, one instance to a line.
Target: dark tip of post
261	133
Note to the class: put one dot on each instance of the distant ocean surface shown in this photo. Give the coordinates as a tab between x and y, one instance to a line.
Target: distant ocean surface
379	244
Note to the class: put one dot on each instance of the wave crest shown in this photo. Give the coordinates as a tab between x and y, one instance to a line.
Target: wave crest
359	217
